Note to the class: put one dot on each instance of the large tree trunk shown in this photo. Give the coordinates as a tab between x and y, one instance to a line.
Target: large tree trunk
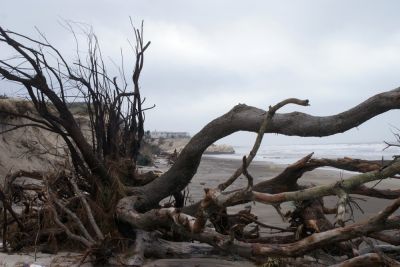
140	209
246	118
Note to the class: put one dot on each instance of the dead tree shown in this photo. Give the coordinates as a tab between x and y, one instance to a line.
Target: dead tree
115	111
116	128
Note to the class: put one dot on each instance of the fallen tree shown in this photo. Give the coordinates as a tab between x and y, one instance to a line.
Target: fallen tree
99	202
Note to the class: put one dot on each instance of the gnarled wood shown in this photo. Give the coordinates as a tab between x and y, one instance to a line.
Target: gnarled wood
246	118
370	259
117	134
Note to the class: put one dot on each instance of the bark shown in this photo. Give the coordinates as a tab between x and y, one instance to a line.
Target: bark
186	225
260	134
286	181
370	259
331	189
390	238
149	245
378	193
183	224
136	210
246	118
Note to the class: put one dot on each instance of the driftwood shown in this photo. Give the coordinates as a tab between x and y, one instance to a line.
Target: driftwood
245	118
103	206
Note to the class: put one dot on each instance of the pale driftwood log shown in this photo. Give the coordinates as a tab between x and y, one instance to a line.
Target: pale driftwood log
150	245
135	254
226	199
287	179
377	193
186	225
326	190
389	238
369	259
215	199
183	224
316	240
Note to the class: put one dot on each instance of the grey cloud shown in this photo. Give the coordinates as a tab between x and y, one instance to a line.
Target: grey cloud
207	56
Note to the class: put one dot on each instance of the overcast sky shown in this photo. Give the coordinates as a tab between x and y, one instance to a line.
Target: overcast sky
207	56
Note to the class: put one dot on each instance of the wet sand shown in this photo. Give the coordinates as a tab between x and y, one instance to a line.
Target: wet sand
212	171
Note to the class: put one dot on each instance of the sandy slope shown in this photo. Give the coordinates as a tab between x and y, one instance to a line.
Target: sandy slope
29	148
26	148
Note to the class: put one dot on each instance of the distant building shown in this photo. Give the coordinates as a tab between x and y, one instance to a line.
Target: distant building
156	134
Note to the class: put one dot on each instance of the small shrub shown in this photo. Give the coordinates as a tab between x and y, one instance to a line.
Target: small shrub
144	160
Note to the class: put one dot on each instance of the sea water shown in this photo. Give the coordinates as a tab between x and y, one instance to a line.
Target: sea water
287	154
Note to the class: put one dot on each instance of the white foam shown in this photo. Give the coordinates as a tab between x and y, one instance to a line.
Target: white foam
286	154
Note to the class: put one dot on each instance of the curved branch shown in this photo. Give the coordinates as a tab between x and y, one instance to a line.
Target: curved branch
330	189
184	225
246	118
260	134
369	259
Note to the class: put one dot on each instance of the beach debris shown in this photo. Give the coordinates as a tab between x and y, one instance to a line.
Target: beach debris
95	200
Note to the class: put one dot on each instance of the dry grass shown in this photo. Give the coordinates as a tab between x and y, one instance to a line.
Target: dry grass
15	106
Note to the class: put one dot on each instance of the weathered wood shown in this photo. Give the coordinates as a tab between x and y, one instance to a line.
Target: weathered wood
245	118
330	189
370	259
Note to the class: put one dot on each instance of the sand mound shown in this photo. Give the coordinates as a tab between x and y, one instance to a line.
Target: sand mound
26	148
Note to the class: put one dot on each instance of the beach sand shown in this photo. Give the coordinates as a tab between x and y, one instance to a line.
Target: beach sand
213	171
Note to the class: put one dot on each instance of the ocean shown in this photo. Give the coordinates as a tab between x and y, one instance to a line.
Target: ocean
287	154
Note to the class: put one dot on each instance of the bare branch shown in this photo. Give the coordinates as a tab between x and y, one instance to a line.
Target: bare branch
264	124
88	210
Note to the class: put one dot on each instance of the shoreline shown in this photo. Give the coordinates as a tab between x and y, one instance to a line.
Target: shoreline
213	171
